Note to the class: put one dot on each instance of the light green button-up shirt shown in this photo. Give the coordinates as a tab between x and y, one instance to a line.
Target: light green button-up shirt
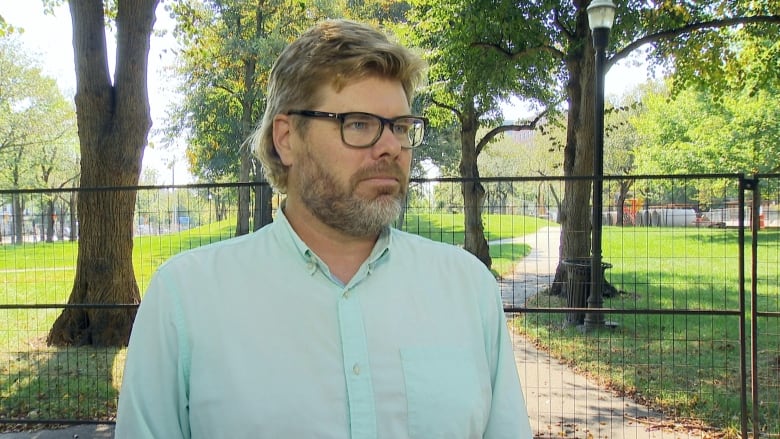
253	338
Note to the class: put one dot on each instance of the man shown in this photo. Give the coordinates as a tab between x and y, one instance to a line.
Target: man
327	323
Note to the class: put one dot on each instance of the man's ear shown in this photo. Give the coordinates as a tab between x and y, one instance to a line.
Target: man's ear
282	131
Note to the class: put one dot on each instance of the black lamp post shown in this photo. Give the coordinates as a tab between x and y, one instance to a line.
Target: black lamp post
601	14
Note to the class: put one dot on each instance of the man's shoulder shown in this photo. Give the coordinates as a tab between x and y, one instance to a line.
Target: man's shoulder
441	262
420	242
226	250
425	247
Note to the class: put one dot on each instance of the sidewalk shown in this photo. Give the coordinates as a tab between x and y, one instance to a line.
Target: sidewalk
74	432
561	403
534	272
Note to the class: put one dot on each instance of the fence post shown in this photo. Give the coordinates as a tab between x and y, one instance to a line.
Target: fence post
746	184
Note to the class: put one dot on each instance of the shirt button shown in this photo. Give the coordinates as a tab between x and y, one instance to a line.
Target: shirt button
356	369
346	294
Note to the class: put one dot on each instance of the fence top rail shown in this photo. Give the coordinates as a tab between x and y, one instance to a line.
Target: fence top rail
582	177
81	189
130	188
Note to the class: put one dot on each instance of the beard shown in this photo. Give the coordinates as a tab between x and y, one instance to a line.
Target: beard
341	207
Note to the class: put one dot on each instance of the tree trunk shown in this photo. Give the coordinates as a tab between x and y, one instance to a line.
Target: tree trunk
245	169
558	203
625	186
113	121
620	212
49	220
219	207
74	230
242	219
246	158
17	207
575	214
263	206
472	190
263	201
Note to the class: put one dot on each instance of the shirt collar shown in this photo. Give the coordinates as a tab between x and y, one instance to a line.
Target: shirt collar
281	222
381	247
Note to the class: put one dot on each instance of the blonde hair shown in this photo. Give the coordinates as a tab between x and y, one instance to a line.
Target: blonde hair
334	52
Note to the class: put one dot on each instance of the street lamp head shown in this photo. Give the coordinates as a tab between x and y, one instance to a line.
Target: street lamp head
601	14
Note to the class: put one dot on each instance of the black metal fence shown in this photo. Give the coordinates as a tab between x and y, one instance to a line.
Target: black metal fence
691	340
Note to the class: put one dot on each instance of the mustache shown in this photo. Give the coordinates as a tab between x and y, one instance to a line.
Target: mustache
381	169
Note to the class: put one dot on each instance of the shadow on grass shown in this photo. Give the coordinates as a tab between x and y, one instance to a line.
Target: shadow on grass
512	251
43	385
440	228
766	238
769	238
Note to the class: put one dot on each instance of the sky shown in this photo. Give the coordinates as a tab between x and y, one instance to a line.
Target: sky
48	38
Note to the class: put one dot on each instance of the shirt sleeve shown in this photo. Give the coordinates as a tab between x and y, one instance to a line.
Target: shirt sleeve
508	412
153	401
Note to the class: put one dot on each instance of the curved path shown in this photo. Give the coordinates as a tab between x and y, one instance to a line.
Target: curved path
561	403
534	272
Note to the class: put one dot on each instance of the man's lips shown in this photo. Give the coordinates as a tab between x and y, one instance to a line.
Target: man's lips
382	178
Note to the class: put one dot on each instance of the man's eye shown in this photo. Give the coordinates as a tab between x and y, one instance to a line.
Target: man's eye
359	123
356	125
401	128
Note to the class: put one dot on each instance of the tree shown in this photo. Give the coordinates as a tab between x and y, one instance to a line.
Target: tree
380	12
727	127
620	144
228	47
693	39
495	164
467	84
113	121
37	132
440	148
696	41
695	132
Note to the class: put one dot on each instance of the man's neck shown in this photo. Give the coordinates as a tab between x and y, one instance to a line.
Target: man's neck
344	254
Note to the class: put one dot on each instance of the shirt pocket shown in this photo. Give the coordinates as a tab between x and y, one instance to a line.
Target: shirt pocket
447	393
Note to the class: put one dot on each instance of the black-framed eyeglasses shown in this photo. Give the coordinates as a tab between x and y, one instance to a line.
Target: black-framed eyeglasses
362	130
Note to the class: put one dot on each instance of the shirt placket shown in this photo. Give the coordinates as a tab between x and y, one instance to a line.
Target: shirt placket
360	392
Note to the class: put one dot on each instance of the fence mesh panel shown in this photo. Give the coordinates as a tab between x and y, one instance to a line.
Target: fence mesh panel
667	362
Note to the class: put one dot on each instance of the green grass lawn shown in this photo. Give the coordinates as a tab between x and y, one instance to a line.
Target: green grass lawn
449	228
685	364
40	382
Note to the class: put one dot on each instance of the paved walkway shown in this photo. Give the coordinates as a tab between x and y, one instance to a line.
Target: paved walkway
74	432
561	403
534	272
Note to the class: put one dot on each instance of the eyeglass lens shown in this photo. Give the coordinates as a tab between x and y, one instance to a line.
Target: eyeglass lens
360	129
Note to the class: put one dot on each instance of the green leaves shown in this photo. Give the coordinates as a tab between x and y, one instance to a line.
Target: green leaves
695	133
227	49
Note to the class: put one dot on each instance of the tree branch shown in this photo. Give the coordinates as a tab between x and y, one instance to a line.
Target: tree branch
446	107
527	52
504	128
672	33
561	26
